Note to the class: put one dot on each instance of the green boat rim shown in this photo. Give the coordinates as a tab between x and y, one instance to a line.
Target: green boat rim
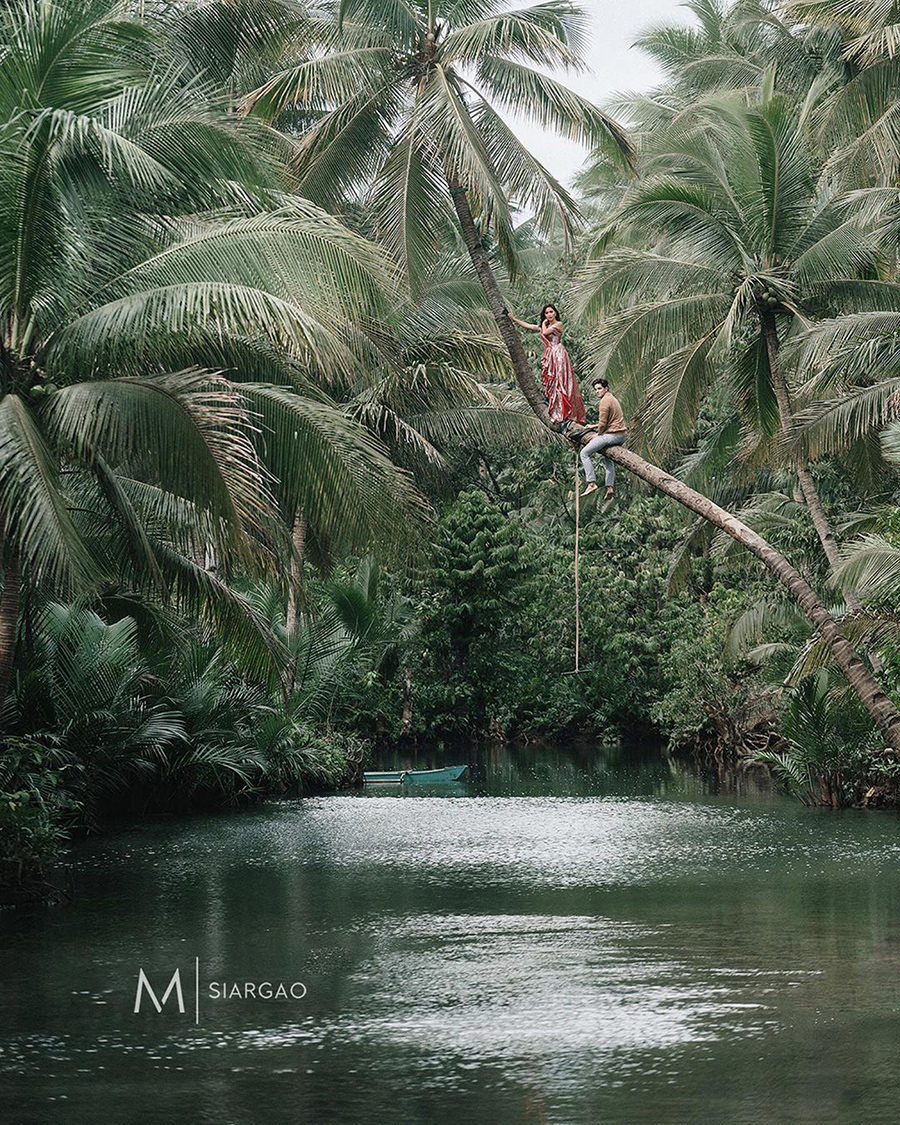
445	773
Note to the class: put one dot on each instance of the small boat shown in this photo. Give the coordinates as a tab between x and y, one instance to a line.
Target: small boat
414	777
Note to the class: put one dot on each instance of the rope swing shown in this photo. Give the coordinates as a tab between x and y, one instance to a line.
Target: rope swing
577	582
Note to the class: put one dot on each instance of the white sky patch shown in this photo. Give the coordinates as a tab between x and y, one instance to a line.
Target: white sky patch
614	65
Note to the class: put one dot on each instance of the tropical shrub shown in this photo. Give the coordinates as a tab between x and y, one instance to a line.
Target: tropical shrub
36	810
830	747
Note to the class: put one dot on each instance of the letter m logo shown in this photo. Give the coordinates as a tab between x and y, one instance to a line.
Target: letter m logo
143	984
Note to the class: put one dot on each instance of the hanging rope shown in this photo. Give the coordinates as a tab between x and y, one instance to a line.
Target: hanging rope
577	583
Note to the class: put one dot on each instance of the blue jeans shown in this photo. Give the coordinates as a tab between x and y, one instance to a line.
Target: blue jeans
601	441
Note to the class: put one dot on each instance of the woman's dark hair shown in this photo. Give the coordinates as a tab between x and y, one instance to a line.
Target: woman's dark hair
598	382
548	305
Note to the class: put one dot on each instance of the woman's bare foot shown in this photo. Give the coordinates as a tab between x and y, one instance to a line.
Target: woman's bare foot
592	487
609	494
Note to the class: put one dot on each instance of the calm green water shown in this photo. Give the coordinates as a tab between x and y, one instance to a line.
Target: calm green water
572	937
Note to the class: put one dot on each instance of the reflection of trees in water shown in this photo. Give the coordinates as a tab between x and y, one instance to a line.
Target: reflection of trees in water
578	768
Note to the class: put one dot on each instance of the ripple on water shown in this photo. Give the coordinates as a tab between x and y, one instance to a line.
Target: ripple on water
559	842
559	993
565	938
503	987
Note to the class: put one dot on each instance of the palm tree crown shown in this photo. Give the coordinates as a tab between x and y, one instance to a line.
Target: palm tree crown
744	246
871	26
146	247
402	95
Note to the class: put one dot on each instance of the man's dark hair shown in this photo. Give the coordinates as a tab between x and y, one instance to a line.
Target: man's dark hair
598	382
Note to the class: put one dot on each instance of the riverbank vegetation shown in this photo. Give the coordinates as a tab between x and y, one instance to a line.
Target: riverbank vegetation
276	479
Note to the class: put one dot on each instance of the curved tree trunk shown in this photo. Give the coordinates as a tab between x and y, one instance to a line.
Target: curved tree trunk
496	302
295	596
9	617
295	590
810	493
882	710
872	696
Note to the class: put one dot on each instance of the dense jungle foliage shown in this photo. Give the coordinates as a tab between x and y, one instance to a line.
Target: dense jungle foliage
273	489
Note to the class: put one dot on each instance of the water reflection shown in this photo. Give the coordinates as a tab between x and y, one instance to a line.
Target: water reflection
571	937
581	769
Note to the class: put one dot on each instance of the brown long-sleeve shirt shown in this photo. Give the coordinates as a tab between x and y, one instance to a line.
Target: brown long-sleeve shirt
611	420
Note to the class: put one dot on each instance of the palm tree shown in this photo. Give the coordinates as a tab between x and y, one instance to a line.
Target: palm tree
855	112
146	247
746	248
872	27
733	201
401	100
407	103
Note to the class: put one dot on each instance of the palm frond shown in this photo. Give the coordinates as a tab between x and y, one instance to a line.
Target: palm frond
33	509
763	617
188	431
870	566
410	202
336	472
676	388
133	529
211	601
553	106
548	34
832	426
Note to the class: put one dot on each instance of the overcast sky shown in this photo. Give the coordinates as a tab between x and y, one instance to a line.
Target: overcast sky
614	67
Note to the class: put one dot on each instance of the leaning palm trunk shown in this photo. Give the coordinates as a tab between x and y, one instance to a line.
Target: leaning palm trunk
9	617
881	709
295	597
807	487
497	304
872	696
295	592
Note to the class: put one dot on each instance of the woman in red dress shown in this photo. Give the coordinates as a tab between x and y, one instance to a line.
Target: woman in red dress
564	399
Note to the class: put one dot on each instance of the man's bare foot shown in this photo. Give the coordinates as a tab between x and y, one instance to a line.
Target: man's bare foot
609	494
592	487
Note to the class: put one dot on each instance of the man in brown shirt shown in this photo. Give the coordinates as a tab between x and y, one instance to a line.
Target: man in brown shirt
611	430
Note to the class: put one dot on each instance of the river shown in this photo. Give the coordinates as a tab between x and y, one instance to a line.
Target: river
570	936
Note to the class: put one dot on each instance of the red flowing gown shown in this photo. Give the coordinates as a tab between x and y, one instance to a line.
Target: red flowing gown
560	385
